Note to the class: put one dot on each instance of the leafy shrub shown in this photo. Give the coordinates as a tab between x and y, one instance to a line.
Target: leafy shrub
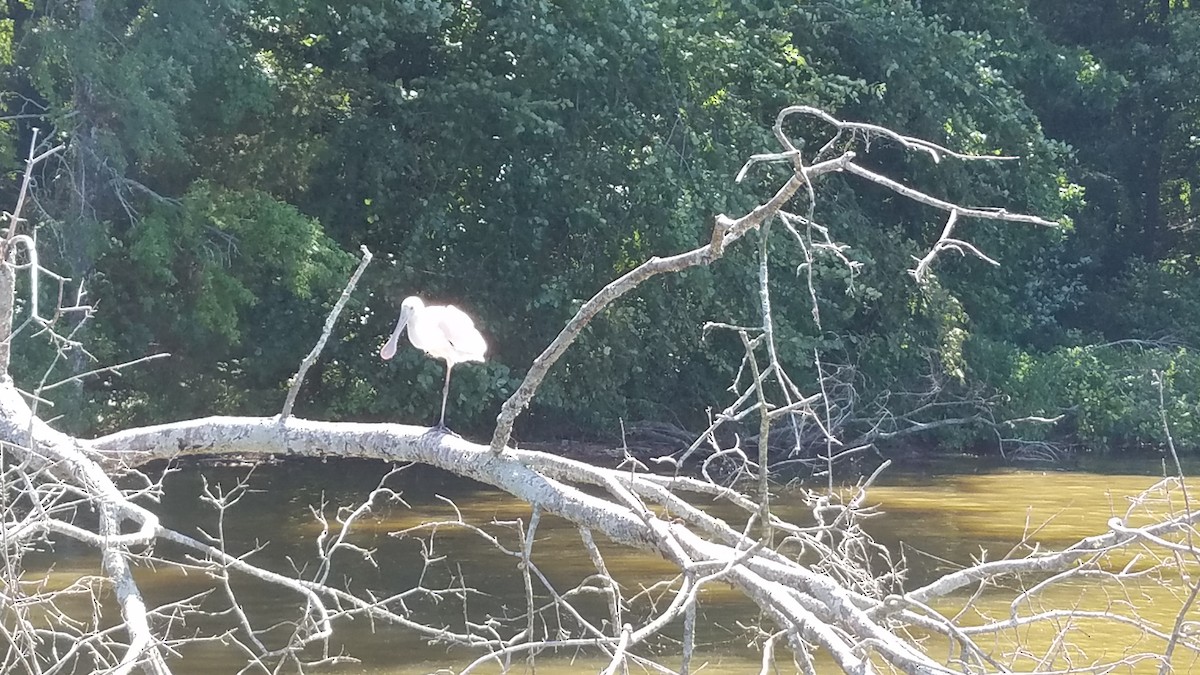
1109	394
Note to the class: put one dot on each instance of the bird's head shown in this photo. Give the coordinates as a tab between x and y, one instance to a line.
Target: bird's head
411	305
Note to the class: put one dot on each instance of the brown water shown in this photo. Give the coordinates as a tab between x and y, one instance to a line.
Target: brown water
942	517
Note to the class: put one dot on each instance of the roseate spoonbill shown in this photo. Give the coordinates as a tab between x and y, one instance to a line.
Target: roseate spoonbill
442	331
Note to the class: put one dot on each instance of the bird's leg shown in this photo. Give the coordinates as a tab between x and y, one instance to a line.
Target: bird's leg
445	394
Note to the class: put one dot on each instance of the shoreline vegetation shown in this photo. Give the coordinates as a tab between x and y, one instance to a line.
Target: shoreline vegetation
213	190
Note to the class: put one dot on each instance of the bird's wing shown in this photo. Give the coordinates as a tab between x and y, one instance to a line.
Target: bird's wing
460	330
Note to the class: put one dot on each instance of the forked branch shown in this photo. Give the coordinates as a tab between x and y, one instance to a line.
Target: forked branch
728	230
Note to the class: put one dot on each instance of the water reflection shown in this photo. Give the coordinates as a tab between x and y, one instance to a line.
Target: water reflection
943	518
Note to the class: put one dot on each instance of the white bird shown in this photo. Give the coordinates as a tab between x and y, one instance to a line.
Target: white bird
441	331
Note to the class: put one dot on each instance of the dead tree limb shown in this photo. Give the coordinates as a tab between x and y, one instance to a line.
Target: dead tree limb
728	230
330	321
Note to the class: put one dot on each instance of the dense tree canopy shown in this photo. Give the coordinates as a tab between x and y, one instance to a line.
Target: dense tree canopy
224	157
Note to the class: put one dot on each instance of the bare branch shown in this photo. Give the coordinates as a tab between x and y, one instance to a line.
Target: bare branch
330	321
732	229
117	368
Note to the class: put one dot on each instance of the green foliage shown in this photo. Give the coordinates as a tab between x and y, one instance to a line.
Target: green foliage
1109	395
573	141
231	281
1157	301
514	156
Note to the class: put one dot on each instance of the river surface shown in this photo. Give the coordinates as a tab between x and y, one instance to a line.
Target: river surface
937	517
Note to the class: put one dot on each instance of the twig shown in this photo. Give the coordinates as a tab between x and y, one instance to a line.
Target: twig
7	276
949	207
618	659
330	321
935	151
764	430
107	369
1181	617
